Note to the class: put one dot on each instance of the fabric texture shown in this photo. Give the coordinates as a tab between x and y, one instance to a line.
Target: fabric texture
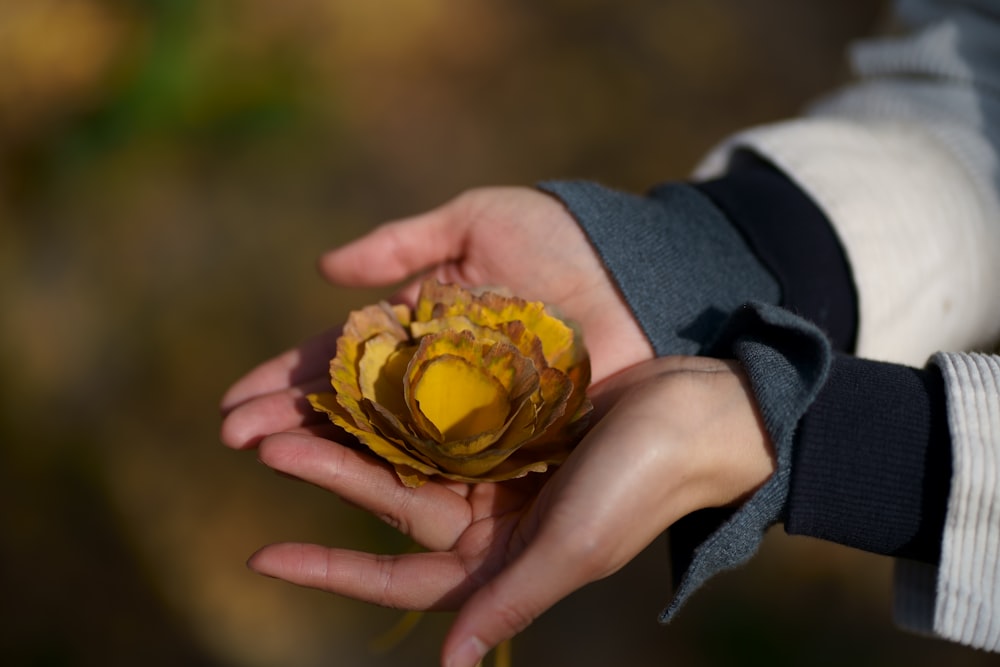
787	360
967	604
871	467
681	265
905	162
905	165
793	239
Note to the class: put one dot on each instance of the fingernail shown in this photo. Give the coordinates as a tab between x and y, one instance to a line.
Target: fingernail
468	654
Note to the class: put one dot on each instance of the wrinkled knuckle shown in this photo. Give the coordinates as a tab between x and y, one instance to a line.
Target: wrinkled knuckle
384	573
398	517
513	618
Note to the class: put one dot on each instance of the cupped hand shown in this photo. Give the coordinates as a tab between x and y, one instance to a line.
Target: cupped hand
516	238
677	434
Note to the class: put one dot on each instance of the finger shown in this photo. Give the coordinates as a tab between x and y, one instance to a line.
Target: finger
536	580
397	250
571	537
432	514
302	364
245	425
425	581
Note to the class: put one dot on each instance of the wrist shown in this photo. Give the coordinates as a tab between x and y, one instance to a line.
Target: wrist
743	457
724	451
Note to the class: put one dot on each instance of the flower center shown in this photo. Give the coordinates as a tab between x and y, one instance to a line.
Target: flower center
460	399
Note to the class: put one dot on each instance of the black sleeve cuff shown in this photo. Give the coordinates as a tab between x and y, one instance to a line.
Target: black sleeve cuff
793	238
871	467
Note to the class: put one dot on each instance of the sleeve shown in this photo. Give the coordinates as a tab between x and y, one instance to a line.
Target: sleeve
959	597
871	466
787	361
891	459
905	164
685	256
678	262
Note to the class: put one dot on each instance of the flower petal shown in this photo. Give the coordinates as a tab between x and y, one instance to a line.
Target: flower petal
395	431
514	333
459	398
510	468
382	370
376	442
361	325
500	361
571	419
492	310
327	402
557	337
434	294
470	386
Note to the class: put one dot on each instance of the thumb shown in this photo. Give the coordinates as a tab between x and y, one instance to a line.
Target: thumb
530	585
397	250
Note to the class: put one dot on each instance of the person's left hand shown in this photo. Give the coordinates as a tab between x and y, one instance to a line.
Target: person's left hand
678	434
515	238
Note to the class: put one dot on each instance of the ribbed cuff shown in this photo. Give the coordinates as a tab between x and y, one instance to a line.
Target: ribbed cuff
793	238
967	605
872	462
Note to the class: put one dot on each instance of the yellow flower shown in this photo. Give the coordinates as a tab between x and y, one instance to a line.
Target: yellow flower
471	387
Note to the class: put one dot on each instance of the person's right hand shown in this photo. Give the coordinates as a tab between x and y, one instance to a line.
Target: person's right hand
672	435
512	237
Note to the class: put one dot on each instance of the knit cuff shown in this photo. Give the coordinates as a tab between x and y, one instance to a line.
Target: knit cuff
679	263
967	603
793	239
787	360
872	463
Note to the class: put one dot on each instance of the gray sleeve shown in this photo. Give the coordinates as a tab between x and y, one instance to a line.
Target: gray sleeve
787	360
678	262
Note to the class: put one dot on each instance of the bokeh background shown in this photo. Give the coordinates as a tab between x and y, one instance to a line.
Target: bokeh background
169	171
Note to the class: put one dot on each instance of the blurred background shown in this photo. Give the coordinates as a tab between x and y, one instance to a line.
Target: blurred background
170	170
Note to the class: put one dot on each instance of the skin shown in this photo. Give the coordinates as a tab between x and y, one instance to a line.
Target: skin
518	238
671	435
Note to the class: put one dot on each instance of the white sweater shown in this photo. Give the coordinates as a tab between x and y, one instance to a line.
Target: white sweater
906	165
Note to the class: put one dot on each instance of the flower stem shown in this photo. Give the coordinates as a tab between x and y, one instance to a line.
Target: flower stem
391	638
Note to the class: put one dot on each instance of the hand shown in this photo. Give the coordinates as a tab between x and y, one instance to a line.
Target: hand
518	238
679	434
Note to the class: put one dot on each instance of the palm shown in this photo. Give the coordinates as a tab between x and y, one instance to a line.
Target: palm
675	435
473	533
470	531
516	238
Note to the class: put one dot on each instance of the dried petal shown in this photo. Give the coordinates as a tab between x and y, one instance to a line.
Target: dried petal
459	398
378	444
471	387
361	325
382	369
